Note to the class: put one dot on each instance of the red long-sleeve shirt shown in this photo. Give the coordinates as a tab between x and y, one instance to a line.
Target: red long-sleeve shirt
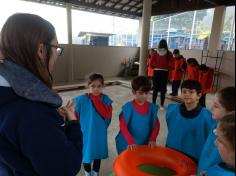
160	62
206	80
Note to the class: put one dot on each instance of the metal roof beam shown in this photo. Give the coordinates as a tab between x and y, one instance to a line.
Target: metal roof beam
108	9
211	2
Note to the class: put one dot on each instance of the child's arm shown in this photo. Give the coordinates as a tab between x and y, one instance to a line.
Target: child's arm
154	134
210	78
184	66
124	130
77	116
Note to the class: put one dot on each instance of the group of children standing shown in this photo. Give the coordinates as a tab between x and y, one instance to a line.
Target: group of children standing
191	127
179	68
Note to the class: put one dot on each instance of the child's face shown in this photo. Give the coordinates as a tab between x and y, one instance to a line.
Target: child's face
190	96
226	151
201	71
140	96
218	111
96	87
176	55
192	64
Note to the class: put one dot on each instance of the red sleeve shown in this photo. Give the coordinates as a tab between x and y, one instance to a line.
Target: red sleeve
153	61
124	130
184	66
77	116
148	60
170	55
155	131
102	109
172	64
210	78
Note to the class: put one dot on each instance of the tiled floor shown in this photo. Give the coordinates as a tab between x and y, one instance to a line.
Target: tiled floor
120	95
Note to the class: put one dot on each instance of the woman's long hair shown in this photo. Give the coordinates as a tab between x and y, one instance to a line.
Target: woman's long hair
19	42
163	45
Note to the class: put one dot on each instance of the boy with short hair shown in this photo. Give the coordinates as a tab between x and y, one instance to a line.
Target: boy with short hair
176	75
139	124
206	77
188	124
192	69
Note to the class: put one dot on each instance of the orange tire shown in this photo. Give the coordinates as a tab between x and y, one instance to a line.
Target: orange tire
128	162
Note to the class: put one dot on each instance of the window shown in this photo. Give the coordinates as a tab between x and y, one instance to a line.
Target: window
159	30
97	29
55	15
188	30
228	35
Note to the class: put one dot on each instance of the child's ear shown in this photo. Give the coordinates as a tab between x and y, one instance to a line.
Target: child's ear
134	92
200	95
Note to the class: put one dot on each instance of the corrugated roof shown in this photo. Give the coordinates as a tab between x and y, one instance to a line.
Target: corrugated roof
133	8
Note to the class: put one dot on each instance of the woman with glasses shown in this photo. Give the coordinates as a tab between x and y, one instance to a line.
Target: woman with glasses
34	138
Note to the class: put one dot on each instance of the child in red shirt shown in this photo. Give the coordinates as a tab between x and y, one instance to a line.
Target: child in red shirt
177	72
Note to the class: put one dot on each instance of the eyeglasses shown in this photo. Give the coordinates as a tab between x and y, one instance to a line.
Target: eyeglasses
215	132
58	48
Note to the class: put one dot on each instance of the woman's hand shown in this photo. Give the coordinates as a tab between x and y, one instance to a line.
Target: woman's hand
68	111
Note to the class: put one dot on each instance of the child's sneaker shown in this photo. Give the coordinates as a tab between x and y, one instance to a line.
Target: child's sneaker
87	173
162	108
95	173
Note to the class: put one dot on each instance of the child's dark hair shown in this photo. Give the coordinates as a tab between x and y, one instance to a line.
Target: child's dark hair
95	76
141	83
203	67
176	51
192	61
227	98
192	84
227	126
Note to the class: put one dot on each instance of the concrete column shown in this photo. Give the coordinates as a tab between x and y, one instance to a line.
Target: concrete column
69	34
69	23
152	39
216	30
168	33
140	31
230	44
147	9
192	31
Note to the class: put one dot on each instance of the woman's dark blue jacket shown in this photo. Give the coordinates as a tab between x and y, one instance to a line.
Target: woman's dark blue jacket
34	138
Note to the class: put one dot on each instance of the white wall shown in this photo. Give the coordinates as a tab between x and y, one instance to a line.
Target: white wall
86	59
107	60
